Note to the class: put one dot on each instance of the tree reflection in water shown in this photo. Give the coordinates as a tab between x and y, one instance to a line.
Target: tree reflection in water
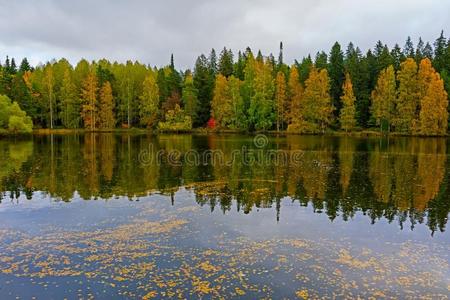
398	179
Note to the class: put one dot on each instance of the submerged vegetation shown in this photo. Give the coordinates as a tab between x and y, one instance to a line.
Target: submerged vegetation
396	90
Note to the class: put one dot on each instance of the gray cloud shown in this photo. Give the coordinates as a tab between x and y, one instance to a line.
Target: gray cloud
149	31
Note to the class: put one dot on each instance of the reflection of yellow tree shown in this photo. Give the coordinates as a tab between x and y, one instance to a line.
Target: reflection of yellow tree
179	142
90	163
315	173
107	155
312	168
380	174
68	154
408	174
150	167
346	153
404	177
431	161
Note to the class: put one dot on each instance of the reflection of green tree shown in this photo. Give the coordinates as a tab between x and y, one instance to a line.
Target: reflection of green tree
107	155
13	155
346	152
396	179
439	208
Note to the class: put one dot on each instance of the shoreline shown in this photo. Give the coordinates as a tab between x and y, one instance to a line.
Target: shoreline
203	131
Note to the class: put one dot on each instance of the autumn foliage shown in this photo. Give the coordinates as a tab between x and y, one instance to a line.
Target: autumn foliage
391	90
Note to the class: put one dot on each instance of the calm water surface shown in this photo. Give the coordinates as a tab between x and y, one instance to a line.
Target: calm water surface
102	216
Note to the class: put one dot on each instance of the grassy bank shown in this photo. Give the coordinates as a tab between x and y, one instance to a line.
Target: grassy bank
7	133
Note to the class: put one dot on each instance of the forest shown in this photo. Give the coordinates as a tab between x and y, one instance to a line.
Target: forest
402	90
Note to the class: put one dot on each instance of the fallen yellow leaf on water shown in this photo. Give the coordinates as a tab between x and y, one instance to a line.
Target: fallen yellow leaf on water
208	267
239	292
150	295
119	278
303	294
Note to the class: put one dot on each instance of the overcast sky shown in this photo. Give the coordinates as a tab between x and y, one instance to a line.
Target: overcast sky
149	31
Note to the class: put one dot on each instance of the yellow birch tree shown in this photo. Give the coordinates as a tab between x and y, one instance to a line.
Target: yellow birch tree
383	97
106	107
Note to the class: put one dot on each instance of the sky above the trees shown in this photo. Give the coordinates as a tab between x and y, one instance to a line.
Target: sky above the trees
149	31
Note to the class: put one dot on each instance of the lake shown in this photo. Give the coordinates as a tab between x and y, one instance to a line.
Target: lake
102	216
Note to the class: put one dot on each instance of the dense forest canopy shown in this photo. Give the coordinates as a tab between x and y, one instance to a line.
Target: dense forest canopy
403	89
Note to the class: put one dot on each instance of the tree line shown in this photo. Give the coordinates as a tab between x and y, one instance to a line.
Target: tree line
397	90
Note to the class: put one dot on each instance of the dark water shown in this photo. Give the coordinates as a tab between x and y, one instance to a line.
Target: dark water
102	216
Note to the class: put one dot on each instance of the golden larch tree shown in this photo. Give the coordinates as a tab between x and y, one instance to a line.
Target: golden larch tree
433	113
406	111
348	111
221	105
424	77
318	109
106	107
295	96
89	100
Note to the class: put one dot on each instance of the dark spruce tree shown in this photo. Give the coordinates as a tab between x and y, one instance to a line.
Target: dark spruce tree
321	61
304	68
383	57
280	65
13	67
213	63
408	50
20	94
440	46
259	56
104	75
162	86
280	56
337	76
419	50
428	51
370	63
174	80
203	79
239	66
226	62
397	56
24	66
356	66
